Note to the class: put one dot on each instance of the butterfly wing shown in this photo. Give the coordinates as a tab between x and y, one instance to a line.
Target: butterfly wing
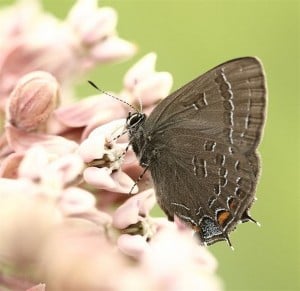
228	102
209	188
203	139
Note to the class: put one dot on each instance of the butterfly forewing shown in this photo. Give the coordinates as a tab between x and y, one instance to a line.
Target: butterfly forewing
199	144
229	100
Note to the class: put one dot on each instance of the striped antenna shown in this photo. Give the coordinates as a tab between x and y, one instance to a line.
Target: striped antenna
119	99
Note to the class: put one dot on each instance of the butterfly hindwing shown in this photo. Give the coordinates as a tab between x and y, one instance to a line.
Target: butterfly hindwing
197	177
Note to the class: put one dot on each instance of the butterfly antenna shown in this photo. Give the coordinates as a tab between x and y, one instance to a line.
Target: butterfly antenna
139	98
140	103
119	99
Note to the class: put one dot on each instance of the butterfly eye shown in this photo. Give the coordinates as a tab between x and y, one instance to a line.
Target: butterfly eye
135	119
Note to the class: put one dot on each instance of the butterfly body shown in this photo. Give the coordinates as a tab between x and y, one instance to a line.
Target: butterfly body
200	144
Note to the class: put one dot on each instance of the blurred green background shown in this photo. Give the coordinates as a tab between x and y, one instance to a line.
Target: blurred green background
191	37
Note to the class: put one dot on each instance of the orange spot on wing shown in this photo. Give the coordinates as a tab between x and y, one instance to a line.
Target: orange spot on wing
222	216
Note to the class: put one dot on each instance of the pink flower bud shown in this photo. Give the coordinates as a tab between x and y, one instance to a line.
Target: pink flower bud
112	49
90	23
33	100
144	68
133	245
143	82
75	201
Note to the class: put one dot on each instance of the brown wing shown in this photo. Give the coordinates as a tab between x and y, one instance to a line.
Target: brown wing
228	101
209	187
203	141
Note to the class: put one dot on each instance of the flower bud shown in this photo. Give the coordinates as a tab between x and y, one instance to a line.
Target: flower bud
112	49
33	100
90	23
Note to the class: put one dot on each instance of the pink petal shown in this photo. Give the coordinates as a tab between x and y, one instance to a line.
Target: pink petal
168	258
99	178
154	88
19	18
109	198
20	141
140	71
102	178
113	49
59	145
163	223
76	201
126	214
107	116
9	166
101	107
206	260
34	163
112	129
123	182
188	253
100	24
55	126
132	245
68	168
80	113
5	149
80	11
13	65
92	148
146	200
100	144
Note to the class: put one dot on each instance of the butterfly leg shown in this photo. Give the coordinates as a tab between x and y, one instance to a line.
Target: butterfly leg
138	179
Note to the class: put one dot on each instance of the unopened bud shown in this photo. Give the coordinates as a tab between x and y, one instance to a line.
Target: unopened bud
33	100
92	24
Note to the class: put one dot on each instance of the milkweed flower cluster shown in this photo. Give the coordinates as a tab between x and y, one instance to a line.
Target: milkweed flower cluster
66	219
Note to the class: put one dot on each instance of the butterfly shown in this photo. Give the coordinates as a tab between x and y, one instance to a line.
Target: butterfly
200	146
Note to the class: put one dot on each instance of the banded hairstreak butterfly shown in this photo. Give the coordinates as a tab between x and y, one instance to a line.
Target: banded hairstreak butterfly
200	145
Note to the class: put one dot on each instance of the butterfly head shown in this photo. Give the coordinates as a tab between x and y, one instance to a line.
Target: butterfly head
134	121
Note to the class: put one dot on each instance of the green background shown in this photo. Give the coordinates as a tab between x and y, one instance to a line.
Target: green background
191	37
